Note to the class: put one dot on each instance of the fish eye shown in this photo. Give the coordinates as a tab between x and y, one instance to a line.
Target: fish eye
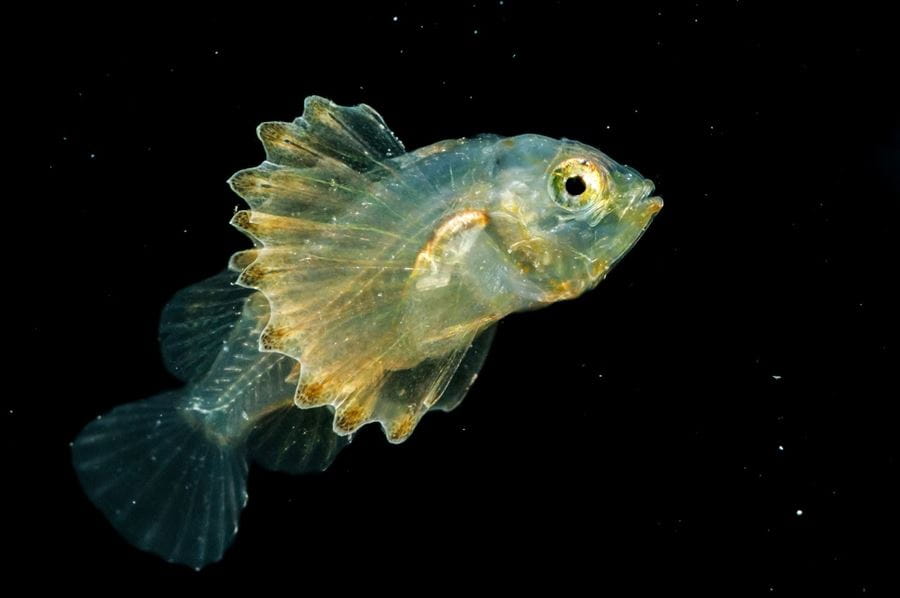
575	186
577	183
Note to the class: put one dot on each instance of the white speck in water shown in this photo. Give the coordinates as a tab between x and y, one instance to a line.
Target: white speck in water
134	502
93	156
799	512
780	447
776	377
395	19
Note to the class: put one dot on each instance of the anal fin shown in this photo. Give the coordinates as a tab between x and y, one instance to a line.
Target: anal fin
399	399
295	440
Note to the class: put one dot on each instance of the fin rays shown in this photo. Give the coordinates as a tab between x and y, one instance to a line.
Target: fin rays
337	232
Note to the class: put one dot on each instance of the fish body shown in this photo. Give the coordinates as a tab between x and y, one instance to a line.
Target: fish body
370	295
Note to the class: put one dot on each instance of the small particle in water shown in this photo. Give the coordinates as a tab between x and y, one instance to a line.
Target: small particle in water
799	512
395	19
780	447
776	377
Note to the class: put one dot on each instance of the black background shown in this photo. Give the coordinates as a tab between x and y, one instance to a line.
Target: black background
715	417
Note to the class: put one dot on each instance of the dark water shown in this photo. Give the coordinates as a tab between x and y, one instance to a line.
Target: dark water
716	417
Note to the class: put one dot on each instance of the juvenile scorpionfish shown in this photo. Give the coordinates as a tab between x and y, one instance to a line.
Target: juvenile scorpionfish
370	295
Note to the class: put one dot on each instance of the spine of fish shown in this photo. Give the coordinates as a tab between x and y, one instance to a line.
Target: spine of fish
170	471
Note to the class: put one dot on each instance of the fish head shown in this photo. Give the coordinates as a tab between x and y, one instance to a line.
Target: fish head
578	211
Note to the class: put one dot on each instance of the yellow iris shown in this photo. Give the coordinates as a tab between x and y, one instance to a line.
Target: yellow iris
578	183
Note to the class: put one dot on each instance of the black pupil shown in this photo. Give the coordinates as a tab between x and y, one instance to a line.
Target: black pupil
575	185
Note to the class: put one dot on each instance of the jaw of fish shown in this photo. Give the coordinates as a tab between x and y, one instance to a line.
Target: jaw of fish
639	206
637	210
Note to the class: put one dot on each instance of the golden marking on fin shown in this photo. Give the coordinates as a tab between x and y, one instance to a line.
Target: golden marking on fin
246	181
272	339
353	414
311	394
241	220
251	276
402	427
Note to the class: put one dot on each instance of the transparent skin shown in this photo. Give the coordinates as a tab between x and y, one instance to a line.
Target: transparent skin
370	296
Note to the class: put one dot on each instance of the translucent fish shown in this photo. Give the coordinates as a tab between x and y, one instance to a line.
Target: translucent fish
370	295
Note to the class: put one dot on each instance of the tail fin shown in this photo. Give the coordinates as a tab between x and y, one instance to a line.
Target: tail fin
163	482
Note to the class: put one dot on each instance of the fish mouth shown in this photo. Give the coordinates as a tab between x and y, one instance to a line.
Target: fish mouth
650	207
645	206
654	204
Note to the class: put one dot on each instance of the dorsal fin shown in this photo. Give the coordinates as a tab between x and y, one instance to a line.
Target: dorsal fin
356	136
